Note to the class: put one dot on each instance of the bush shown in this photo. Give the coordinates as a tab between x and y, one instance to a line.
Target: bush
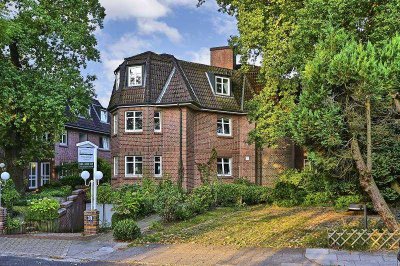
49	192
105	194
252	194
105	167
43	209
9	195
227	194
12	223
343	202
126	230
168	201
288	191
128	204
73	181
318	199
115	218
201	199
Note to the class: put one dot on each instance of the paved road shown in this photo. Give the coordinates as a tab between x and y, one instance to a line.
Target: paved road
24	261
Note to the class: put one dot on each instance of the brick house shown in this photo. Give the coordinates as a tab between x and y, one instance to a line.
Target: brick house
168	115
95	127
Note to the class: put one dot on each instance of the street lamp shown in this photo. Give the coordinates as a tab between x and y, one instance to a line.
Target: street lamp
97	176
4	176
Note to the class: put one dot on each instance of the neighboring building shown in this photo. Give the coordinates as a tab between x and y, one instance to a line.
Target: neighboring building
95	128
168	115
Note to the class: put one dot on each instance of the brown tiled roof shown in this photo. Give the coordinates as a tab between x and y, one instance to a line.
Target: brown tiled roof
168	80
92	123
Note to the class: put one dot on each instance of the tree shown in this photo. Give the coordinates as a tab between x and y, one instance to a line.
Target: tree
331	69
44	46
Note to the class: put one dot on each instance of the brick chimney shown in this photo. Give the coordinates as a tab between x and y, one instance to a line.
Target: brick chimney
223	57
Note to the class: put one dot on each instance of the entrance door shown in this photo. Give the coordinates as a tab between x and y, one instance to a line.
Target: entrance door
45	167
33	175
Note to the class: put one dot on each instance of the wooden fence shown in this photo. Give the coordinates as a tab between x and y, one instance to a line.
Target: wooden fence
363	238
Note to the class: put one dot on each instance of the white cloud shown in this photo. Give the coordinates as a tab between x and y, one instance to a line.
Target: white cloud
202	56
126	9
225	24
149	26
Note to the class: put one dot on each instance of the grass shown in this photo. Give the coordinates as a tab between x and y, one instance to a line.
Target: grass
263	226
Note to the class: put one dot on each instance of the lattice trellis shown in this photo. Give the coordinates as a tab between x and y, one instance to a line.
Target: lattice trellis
375	239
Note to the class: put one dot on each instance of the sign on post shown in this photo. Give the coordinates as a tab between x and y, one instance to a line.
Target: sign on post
85	158
86	155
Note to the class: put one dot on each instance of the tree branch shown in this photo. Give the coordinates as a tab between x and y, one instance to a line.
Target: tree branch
15	54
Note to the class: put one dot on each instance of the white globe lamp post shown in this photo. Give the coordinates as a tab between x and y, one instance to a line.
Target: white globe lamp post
4	176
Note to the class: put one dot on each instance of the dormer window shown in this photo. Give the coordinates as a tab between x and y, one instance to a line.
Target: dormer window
117	79
135	76
103	116
222	86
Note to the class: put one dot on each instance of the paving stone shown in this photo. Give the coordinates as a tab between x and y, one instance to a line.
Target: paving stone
317	251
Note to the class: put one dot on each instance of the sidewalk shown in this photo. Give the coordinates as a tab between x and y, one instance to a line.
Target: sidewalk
103	248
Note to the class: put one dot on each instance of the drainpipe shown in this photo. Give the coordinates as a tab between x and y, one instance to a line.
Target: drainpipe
180	167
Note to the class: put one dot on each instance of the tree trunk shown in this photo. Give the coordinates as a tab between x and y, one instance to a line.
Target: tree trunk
15	169
365	171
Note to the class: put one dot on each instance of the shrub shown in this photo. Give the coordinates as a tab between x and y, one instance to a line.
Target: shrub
343	202
128	203
252	194
105	193
227	194
115	218
288	190
43	209
126	230
168	200
73	181
317	199
201	199
105	167
242	181
12	223
49	192
9	195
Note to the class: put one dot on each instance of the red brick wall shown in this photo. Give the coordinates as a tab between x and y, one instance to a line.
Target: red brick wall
198	138
222	57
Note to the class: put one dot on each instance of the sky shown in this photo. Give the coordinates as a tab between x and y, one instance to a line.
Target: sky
175	27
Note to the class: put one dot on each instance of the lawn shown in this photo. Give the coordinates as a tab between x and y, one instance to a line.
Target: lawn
263	226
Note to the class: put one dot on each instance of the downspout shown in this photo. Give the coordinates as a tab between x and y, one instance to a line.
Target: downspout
180	167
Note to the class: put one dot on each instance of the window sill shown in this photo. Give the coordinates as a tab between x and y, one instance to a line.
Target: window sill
63	145
158	133
225	136
133	176
224	176
101	149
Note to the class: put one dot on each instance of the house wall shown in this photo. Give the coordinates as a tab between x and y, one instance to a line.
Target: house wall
199	137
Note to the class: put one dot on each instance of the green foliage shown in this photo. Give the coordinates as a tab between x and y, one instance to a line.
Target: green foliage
40	71
48	192
207	170
126	230
12	223
105	194
105	167
9	195
42	209
115	218
227	194
318	199
201	199
168	200
73	181
343	202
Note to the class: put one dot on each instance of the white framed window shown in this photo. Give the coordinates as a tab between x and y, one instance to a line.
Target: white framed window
103	116
64	138
116	168
158	166
33	175
135	76
224	126
61	174
83	137
115	122
104	143
117	80
133	121
157	121
133	166
224	166
45	171
46	136
222	86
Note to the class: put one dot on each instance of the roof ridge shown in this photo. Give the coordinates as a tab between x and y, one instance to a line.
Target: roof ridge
186	81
